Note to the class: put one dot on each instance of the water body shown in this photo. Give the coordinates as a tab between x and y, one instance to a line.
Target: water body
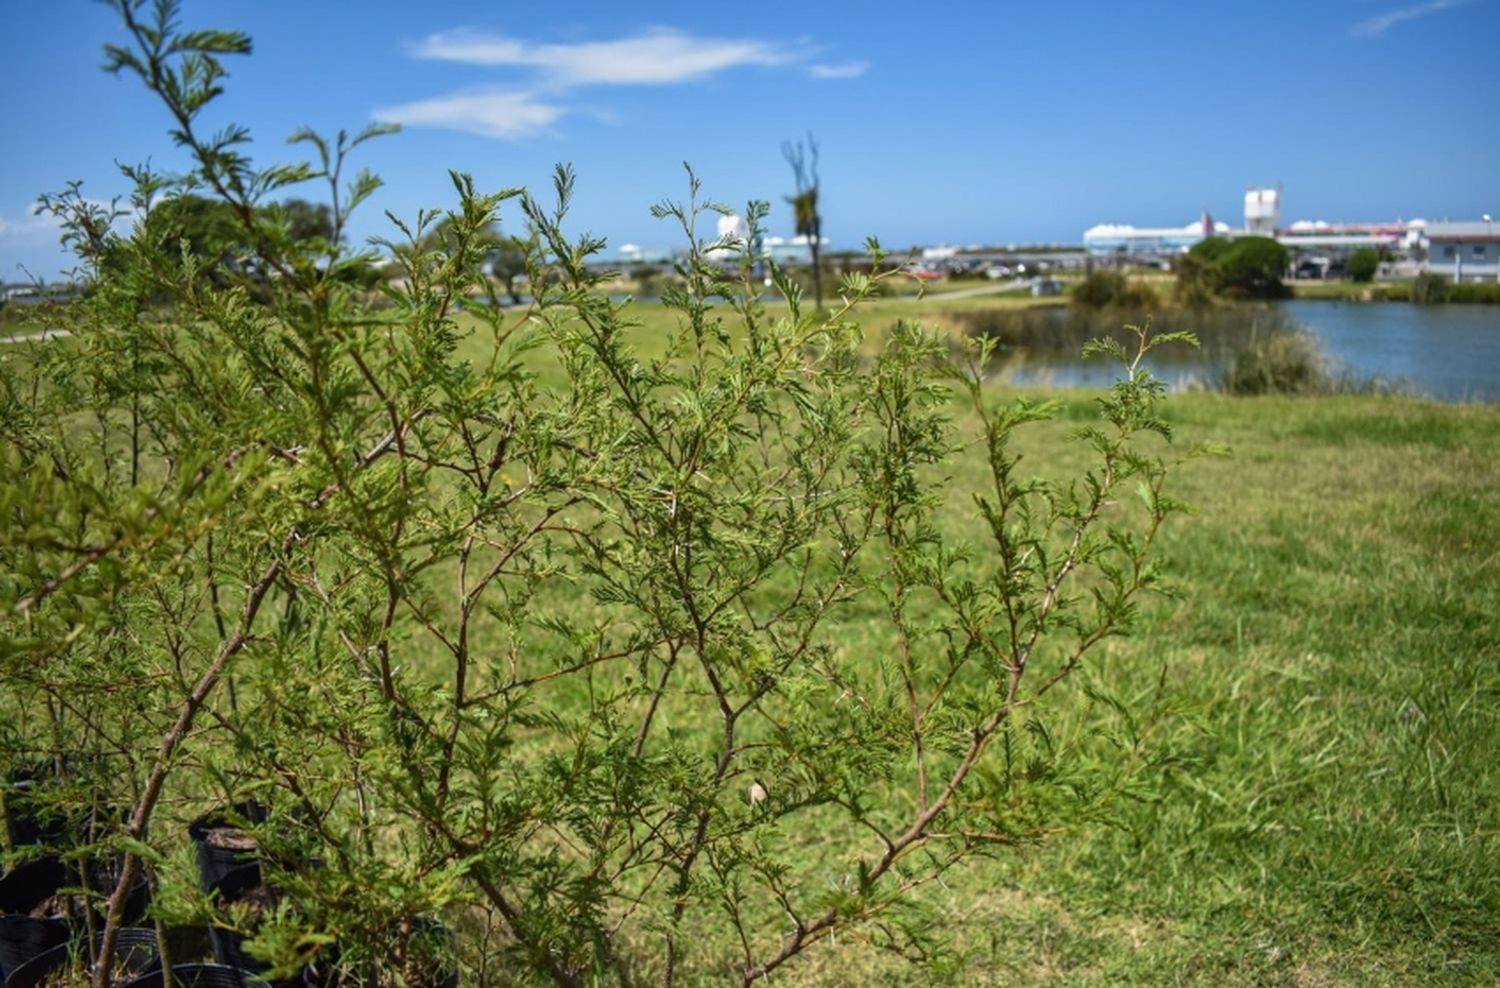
1447	352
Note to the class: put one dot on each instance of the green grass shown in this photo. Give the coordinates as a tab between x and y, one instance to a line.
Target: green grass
1331	812
1392	291
1350	291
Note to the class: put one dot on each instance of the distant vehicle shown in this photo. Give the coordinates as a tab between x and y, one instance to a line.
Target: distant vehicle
924	274
997	271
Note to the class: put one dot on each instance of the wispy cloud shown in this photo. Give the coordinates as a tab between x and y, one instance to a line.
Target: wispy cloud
843	70
505	113
1374	27
658	57
551	72
30	227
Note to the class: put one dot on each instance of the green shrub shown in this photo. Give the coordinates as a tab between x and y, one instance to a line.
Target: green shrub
1252	268
1487	292
1286	363
527	618
1103	289
1429	288
1211	250
1391	291
1362	265
1241	268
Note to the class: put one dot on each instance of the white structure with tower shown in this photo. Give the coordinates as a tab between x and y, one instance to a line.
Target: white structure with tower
1262	212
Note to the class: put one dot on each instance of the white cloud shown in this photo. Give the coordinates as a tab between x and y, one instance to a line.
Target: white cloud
657	57
843	70
550	72
504	113
31	227
1374	27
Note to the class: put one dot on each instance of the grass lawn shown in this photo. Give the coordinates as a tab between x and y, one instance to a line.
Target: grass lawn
1325	711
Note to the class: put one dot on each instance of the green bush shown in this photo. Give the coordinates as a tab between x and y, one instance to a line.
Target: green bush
1391	291
1487	293
1103	289
1286	363
1429	288
1252	268
1362	265
1211	250
538	621
1242	267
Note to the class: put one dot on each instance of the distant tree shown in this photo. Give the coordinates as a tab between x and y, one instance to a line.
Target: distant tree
508	264
214	235
1245	267
306	220
1362	264
1211	249
207	229
1252	268
804	162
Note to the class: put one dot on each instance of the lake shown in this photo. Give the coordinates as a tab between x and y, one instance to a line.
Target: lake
1447	352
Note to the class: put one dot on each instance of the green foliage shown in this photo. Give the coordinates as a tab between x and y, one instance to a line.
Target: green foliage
1279	363
1105	289
1242	267
516	620
1481	292
1429	288
1252	268
1211	250
1362	265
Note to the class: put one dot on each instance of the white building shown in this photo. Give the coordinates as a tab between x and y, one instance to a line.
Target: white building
1262	212
1464	251
1111	238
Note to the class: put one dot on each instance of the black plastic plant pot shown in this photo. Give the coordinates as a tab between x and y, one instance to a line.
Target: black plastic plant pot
24	933
23	936
103	879
223	844
135	954
242	883
27	886
200	976
228	948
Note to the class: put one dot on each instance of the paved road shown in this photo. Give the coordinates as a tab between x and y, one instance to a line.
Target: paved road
995	289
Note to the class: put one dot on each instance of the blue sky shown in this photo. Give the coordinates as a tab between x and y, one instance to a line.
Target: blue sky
985	123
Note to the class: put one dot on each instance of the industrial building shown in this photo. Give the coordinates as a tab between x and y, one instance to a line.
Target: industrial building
1116	239
1462	251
